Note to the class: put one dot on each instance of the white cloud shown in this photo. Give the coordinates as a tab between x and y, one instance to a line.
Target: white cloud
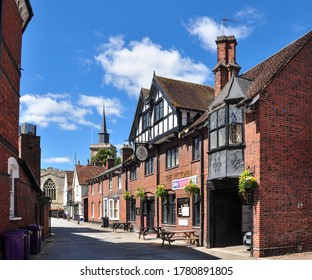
130	67
113	106
206	29
60	109
57	160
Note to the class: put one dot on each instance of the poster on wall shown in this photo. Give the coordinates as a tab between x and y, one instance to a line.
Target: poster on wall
181	183
183	207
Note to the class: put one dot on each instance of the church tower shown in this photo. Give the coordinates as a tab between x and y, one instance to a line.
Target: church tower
103	135
103	140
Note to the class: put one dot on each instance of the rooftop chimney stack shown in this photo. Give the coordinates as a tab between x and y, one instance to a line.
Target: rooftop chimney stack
29	148
226	61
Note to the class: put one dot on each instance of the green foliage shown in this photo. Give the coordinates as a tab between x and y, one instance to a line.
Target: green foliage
102	155
140	193
127	195
160	190
191	188
246	182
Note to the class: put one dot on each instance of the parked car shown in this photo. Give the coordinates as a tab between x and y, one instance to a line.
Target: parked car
247	239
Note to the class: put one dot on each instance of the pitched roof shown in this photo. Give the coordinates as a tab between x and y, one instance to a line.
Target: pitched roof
87	172
70	176
262	73
186	95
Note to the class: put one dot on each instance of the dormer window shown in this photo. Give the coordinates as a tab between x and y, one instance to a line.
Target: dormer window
159	111
226	127
145	121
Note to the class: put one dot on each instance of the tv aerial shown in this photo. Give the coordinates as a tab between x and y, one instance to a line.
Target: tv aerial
225	21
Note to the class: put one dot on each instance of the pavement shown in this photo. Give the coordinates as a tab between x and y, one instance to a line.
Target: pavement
70	240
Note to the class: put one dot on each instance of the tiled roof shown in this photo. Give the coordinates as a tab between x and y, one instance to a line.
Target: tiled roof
70	175
145	92
87	172
186	95
262	73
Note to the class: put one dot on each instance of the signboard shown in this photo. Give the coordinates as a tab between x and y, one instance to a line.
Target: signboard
246	218
181	183
183	222
141	153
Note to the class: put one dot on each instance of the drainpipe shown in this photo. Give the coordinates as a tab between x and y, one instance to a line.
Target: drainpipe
202	189
157	183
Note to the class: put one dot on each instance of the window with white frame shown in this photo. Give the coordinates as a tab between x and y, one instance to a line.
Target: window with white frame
100	186
92	210
99	209
119	181
105	207
13	171
113	209
110	186
92	189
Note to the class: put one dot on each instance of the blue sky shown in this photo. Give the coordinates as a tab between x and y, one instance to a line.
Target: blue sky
77	54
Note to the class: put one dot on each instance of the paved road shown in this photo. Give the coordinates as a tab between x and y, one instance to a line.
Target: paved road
72	241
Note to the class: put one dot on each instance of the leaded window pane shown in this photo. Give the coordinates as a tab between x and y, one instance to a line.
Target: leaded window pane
213	121
196	148
235	115
235	134
221	116
221	135
213	140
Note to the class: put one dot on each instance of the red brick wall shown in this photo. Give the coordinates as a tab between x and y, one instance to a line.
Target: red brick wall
11	35
185	168
30	151
95	199
11	40
278	148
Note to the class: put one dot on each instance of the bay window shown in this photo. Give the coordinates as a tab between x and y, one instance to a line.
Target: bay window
226	127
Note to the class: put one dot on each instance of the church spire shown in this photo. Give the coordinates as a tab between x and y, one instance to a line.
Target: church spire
103	135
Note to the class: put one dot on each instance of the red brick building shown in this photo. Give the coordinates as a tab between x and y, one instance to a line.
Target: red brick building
106	191
169	153
259	122
21	200
256	121
278	142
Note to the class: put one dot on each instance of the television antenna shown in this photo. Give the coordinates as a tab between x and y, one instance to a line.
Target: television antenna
225	21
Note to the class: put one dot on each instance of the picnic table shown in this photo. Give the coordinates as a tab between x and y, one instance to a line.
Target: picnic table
126	225
188	235
146	230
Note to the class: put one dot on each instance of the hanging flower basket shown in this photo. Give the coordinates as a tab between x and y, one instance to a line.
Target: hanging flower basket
191	188
160	190
127	195
140	193
246	182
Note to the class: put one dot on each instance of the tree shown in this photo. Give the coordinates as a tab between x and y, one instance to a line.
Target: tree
102	156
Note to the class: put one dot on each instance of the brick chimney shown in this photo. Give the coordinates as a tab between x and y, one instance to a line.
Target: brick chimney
226	61
125	152
29	148
110	162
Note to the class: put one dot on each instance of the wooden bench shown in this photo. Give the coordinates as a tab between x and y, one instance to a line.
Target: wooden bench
126	226
146	230
184	235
